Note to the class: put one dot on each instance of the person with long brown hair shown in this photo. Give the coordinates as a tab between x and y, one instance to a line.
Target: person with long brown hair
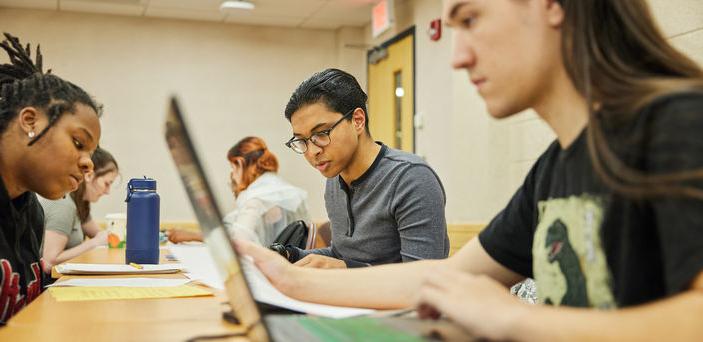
265	203
68	221
609	221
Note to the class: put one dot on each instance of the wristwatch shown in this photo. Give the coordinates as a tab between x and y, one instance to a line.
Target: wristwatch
281	250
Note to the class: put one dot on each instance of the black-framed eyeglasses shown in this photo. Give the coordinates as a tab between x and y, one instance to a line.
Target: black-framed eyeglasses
320	139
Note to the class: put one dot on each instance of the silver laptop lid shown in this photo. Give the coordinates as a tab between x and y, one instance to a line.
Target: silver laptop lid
210	219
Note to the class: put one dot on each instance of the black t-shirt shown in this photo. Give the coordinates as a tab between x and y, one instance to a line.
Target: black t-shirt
21	233
588	246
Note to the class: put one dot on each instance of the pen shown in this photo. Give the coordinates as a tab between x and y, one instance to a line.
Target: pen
137	266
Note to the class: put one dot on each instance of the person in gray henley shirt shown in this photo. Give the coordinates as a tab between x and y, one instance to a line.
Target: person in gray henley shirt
384	205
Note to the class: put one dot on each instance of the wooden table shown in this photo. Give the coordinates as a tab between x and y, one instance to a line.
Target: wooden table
170	319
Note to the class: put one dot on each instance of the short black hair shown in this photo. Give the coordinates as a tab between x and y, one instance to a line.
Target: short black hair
23	83
337	89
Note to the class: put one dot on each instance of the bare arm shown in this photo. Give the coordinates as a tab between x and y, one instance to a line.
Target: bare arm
180	235
473	258
483	307
677	318
90	228
54	244
382	287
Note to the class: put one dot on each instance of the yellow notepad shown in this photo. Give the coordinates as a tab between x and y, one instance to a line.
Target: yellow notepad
63	294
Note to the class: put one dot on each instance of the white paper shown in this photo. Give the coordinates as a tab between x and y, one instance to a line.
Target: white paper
265	292
117	269
122	282
201	267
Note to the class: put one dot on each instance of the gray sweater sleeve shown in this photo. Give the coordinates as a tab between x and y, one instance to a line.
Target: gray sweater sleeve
330	252
418	206
327	251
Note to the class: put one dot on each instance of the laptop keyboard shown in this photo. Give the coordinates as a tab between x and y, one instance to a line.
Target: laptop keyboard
353	329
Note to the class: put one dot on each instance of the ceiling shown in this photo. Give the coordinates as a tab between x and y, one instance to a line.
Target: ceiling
313	14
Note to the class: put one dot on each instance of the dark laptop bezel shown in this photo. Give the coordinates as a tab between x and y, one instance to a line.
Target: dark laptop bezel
181	134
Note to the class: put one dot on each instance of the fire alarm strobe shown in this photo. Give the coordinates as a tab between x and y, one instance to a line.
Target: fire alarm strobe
435	30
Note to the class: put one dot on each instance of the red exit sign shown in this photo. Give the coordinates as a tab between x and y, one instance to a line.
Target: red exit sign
381	17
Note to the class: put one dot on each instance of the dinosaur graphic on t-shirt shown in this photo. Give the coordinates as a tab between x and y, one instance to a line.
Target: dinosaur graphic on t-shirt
561	251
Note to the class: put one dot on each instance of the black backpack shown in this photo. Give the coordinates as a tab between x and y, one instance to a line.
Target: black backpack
295	234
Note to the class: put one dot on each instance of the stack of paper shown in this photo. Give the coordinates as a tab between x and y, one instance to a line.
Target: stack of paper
198	260
200	265
96	269
81	293
122	282
263	291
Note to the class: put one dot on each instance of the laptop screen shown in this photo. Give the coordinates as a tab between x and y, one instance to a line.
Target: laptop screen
210	219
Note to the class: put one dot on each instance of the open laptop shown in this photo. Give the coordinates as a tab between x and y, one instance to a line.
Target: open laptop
247	311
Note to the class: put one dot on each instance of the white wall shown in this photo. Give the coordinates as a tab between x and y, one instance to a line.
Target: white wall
233	81
682	22
481	160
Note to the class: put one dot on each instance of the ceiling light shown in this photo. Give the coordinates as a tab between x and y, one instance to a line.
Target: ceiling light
236	4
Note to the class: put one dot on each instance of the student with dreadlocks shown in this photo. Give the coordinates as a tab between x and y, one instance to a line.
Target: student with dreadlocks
48	129
67	221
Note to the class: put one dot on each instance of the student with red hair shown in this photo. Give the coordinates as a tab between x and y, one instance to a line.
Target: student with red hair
265	203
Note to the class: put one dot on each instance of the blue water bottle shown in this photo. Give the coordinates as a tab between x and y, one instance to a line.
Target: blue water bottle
142	222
